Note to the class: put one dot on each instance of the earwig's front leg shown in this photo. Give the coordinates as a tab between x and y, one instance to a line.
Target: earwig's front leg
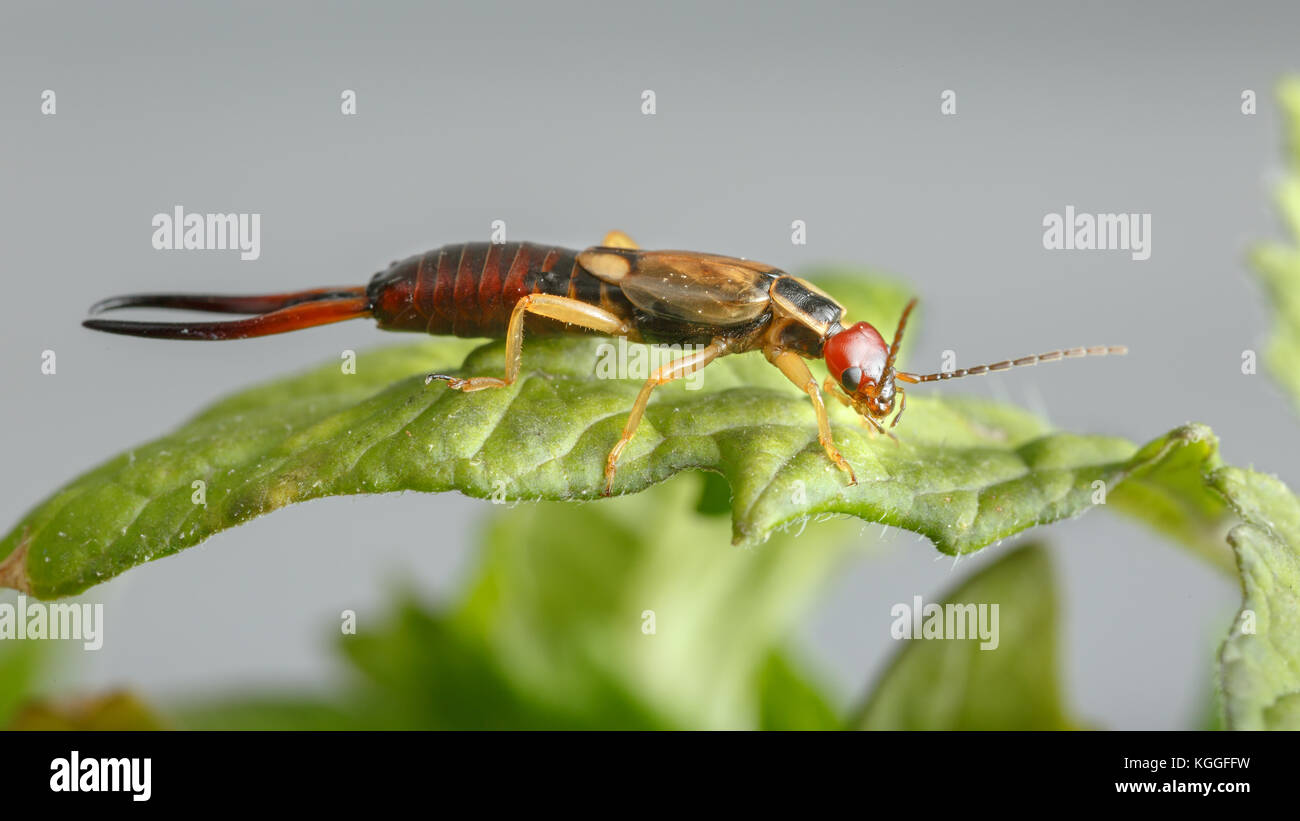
902	406
667	373
831	388
796	370
572	311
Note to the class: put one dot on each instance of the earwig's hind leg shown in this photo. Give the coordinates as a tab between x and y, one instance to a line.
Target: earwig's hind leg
572	311
796	370
618	239
673	370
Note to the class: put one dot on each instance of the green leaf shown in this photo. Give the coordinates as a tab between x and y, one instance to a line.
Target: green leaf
623	614
115	711
640	592
259	711
967	473
953	684
1259	670
420	671
434	673
23	664
1167	490
788	700
1278	265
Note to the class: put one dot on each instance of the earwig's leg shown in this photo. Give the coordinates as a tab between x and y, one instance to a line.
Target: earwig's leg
902	406
617	239
831	388
880	429
572	311
673	370
796	370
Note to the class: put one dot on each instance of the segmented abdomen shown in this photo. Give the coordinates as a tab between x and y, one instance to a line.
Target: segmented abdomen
469	289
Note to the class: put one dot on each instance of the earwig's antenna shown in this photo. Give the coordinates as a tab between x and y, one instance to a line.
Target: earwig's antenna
898	335
1007	364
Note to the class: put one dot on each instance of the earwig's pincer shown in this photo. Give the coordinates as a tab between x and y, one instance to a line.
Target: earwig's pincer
721	305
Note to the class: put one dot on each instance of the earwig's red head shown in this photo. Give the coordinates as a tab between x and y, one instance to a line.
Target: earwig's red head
863	374
862	365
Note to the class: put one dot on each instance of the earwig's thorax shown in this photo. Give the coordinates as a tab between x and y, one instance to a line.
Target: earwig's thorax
803	303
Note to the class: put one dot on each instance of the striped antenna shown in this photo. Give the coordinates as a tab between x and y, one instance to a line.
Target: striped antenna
898	335
1007	364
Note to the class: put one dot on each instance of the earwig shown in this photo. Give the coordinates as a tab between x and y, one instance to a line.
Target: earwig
723	305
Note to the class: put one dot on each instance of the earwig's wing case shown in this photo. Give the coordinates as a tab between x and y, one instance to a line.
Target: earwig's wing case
685	286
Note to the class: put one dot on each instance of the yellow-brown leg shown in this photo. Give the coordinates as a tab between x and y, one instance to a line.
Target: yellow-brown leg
572	311
796	370
833	389
617	239
673	370
902	406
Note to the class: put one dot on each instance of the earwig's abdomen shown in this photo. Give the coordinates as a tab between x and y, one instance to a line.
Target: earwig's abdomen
469	289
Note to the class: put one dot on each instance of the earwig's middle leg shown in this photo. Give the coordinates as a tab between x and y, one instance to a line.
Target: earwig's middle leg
667	373
796	370
572	311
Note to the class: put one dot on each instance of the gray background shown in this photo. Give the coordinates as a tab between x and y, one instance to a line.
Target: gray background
532	115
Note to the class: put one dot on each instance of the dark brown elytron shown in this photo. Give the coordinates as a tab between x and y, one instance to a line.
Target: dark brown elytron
719	305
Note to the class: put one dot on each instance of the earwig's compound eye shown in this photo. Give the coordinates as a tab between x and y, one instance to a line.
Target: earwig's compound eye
851	378
855	354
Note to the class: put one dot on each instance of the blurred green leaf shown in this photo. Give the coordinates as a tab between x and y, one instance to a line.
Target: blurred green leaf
788	699
623	614
1260	661
953	684
1278	265
287	711
434	673
119	711
641	592
22	666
